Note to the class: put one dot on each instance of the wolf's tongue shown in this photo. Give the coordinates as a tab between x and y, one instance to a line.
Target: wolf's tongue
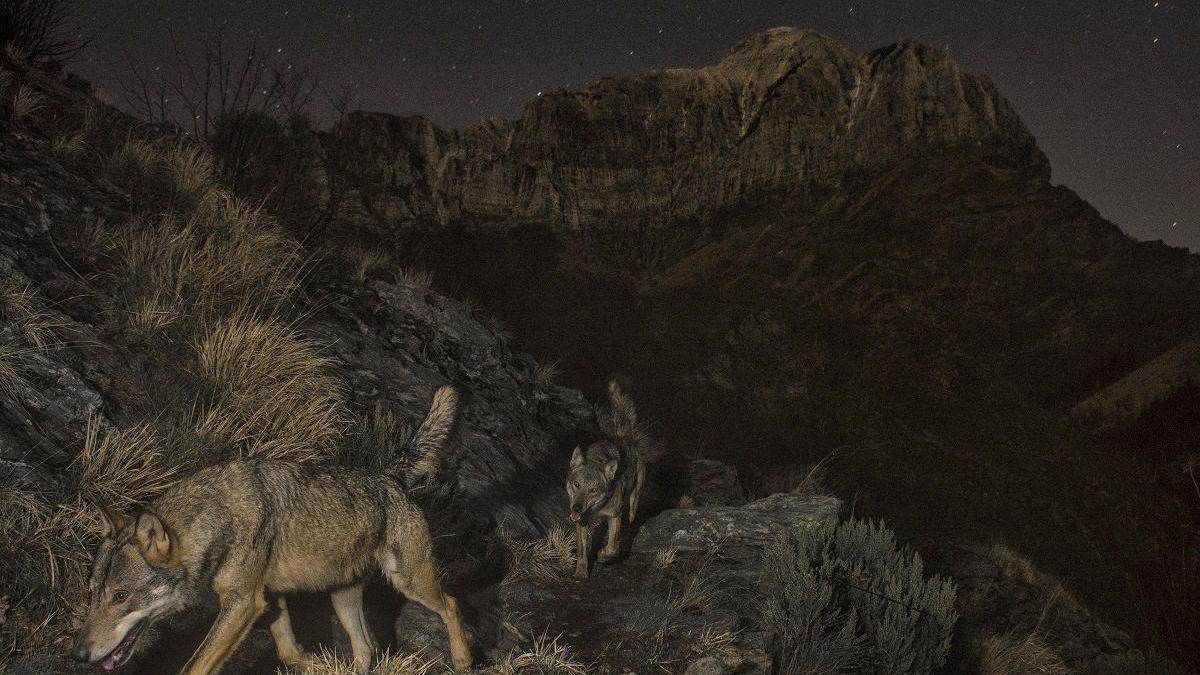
108	663
575	517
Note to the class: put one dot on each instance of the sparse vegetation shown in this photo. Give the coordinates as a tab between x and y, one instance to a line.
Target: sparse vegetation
1011	655
699	585
326	662
270	390
25	102
23	306
37	30
544	375
841	597
367	262
545	655
549	558
123	467
412	277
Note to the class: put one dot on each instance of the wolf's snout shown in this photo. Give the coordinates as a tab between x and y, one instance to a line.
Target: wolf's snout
576	513
81	650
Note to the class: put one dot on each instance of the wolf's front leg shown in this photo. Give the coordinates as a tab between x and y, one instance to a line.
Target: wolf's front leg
583	541
237	615
614	533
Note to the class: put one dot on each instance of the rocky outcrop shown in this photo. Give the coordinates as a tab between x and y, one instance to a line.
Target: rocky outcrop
787	110
631	613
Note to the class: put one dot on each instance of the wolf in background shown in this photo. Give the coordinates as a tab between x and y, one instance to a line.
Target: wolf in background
606	479
250	531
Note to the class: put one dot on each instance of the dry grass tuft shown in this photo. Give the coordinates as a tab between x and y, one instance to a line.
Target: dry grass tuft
545	559
123	467
544	375
152	315
9	356
25	102
14	52
21	305
1015	565
68	147
664	559
192	170
43	564
133	162
1029	655
414	278
367	262
544	655
225	258
271	390
700	586
327	663
714	642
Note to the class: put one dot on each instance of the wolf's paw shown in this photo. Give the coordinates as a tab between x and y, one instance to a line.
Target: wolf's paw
606	555
581	570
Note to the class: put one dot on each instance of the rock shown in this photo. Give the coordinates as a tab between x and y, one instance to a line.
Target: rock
709	665
755	524
712	483
627	610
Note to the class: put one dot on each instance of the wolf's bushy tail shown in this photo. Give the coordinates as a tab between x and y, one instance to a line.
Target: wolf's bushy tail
623	417
427	451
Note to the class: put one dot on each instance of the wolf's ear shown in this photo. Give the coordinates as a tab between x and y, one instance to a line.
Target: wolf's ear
155	540
113	522
610	469
577	458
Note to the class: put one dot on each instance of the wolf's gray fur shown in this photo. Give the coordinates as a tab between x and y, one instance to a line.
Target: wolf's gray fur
246	528
606	479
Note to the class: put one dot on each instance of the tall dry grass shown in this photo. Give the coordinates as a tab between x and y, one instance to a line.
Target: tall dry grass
271	390
24	307
1009	654
226	258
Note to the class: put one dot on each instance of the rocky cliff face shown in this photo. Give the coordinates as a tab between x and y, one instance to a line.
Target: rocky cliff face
788	110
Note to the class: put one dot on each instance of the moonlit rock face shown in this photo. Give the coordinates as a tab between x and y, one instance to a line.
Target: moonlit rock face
786	109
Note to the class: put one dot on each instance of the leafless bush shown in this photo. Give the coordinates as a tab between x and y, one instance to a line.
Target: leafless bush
39	30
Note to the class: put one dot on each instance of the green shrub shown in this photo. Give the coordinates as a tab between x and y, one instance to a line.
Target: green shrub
843	599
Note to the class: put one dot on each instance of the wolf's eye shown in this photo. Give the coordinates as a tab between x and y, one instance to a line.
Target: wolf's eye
119	597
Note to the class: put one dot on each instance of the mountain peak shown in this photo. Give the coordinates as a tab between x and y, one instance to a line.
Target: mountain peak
787	111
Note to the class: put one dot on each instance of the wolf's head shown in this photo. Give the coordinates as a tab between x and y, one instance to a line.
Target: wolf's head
136	580
589	485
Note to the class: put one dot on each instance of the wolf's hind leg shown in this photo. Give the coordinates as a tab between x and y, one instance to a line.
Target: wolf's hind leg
635	495
289	651
348	605
420	584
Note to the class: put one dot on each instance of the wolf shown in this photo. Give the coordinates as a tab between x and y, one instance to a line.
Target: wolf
251	531
606	479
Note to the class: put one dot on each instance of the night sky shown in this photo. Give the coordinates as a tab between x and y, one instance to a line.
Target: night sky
1110	88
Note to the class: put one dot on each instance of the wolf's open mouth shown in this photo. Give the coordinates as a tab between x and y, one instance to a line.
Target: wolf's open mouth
121	653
